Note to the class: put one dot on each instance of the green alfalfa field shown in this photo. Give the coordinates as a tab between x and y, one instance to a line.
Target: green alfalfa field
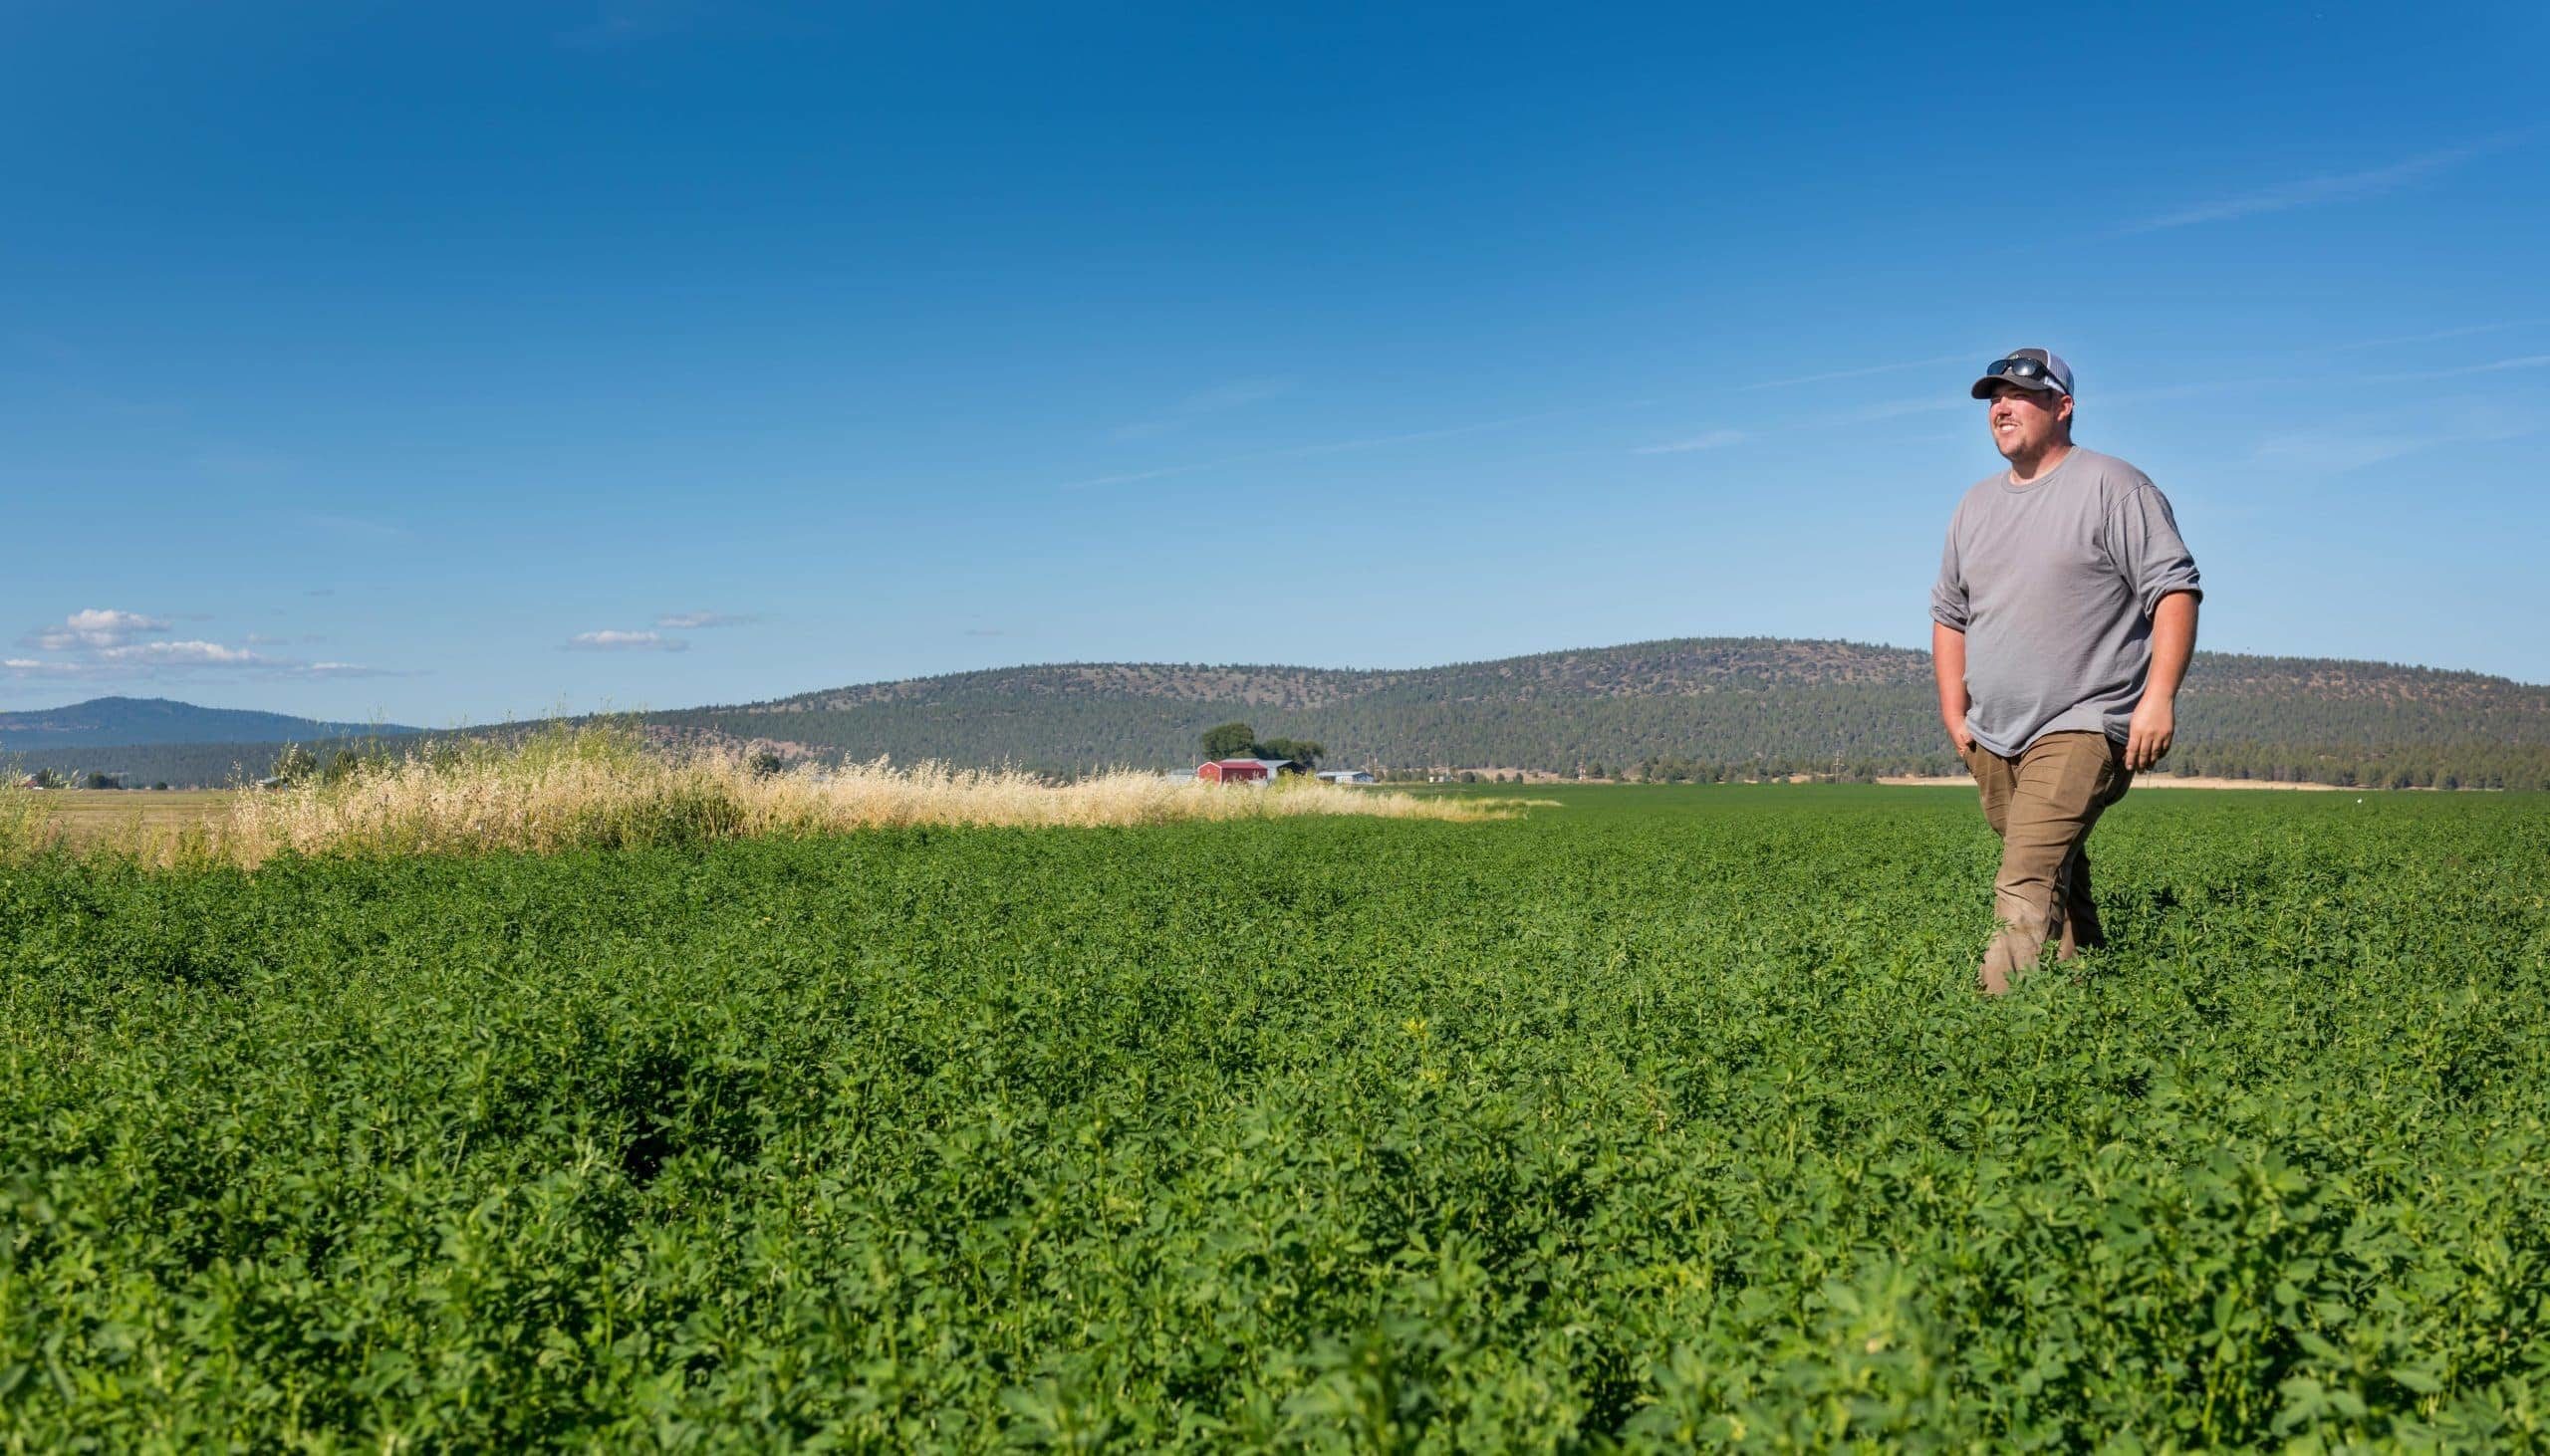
1648	1118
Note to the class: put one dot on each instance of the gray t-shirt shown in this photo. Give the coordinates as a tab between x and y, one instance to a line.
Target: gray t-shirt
2053	584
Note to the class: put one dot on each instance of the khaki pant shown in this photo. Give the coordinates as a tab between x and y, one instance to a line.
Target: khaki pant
2043	805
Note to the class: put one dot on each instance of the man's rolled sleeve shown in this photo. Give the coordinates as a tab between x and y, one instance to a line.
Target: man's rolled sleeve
1947	594
2142	540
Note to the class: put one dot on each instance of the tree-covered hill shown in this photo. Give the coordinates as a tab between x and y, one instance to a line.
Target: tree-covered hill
123	722
1685	707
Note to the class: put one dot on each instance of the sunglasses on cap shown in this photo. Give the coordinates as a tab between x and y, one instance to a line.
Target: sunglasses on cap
2022	369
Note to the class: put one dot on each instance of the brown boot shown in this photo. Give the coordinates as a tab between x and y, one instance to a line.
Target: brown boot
2014	952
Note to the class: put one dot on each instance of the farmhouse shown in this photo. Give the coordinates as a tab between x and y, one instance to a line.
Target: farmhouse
1244	770
1346	776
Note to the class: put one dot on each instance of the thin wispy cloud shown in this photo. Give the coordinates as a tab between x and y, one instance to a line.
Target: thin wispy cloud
629	23
358	528
1341	448
1715	439
1899	409
2192	389
1934	361
609	640
2494	366
2337	450
234	463
698	620
1203	404
2323	191
2464	331
2334	453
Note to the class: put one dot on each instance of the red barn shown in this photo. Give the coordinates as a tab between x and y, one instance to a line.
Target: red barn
1233	771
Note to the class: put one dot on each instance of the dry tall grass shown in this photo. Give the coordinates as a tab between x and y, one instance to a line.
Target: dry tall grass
601	786
24	822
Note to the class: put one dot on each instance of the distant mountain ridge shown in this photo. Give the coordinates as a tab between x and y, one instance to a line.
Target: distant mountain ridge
1680	708
1687	707
116	722
1670	667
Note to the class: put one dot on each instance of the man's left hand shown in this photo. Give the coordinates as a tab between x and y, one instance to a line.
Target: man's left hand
2148	734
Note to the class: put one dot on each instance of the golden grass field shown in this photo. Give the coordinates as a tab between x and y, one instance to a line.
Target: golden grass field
601	786
88	817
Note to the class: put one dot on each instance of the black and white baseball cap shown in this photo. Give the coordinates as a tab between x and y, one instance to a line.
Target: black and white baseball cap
2029	368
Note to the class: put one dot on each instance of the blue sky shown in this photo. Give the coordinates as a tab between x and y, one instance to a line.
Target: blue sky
448	363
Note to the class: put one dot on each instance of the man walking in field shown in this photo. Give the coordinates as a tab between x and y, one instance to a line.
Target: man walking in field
2061	625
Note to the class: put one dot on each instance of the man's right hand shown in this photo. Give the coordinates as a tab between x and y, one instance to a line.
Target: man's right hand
1947	661
1958	733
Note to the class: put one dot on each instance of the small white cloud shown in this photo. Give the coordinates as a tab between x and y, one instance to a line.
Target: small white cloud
98	644
190	653
695	621
619	641
94	629
347	669
1715	439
